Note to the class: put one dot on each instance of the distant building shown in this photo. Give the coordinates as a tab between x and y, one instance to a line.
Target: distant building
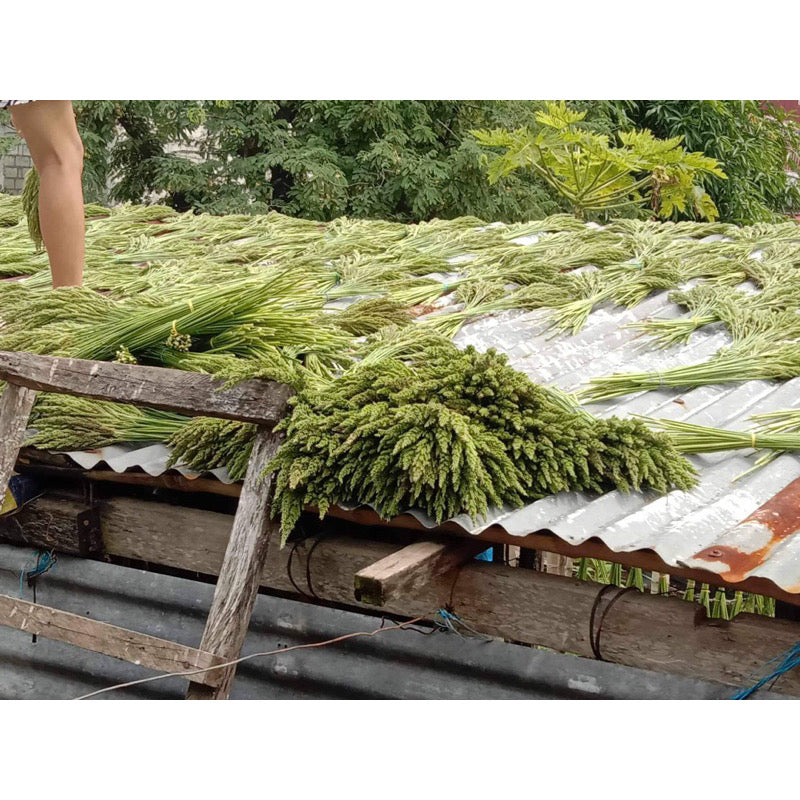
14	162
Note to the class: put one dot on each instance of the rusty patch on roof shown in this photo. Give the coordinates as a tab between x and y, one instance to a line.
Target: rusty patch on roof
755	538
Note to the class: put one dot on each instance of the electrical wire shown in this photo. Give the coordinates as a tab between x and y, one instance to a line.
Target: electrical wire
343	638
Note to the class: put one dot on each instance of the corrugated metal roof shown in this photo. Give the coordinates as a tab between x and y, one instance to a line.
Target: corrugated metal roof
677	526
681	527
397	665
151	459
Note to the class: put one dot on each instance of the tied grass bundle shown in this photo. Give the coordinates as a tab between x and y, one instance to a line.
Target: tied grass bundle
239	317
776	433
759	359
455	432
30	206
10	210
691	438
280	306
64	422
369	316
207	443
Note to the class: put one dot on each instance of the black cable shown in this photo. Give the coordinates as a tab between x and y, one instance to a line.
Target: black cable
322	535
289	569
594	637
303	538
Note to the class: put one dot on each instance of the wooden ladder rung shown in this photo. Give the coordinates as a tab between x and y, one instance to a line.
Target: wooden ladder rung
101	637
255	401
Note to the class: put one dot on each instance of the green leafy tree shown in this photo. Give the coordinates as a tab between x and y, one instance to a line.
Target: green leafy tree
597	176
755	142
397	160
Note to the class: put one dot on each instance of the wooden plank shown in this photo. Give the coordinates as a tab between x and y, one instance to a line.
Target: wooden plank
656	633
49	523
173	481
178	483
239	578
15	409
189	393
410	568
101	637
591	548
521	605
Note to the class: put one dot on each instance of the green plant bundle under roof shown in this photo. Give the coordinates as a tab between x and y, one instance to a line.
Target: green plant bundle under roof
455	432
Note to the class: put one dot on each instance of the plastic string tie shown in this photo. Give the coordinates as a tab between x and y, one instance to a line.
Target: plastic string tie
791	659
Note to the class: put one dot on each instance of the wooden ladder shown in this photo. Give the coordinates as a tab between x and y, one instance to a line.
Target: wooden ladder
260	402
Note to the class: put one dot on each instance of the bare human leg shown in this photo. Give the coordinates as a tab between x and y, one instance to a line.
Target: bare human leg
49	129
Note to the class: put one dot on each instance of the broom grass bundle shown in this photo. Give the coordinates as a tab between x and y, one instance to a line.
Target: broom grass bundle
26	308
763	360
208	443
11	212
64	422
279	307
773	434
30	207
455	432
369	316
689	437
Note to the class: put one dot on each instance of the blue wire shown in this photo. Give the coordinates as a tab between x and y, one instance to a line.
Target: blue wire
44	562
791	659
450	622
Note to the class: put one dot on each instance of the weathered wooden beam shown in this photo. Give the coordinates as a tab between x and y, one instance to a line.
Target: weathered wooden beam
49	523
15	408
30	462
522	605
189	393
178	483
592	548
240	576
111	640
408	569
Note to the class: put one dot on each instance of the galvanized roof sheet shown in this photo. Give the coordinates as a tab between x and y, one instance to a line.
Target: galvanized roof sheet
152	459
696	529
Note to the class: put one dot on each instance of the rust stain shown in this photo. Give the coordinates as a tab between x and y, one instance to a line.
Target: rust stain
779	516
421	310
738	563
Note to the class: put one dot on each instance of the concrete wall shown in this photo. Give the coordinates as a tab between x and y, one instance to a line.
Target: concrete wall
14	163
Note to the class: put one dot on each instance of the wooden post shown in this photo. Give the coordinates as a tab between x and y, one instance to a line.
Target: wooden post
406	570
15	409
240	576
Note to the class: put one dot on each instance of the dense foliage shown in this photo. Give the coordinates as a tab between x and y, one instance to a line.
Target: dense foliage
396	160
755	142
401	160
597	175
